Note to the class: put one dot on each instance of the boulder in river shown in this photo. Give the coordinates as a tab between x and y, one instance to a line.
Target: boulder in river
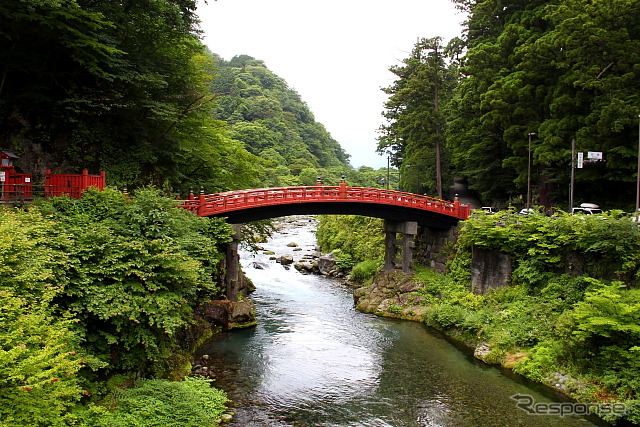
327	263
285	259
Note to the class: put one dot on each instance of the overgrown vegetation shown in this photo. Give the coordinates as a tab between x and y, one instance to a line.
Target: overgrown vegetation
96	287
189	403
358	237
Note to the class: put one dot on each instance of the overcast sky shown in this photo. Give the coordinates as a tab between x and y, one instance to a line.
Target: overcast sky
334	53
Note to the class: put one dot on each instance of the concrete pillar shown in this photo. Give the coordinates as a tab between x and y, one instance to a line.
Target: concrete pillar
232	277
408	230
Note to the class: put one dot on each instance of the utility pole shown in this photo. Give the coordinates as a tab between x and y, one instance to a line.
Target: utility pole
573	173
529	172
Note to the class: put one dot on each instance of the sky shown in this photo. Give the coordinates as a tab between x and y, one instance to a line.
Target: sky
334	53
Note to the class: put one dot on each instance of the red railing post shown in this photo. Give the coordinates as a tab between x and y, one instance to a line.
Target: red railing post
84	182
201	202
342	191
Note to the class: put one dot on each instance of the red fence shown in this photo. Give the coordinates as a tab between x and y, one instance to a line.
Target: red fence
19	187
72	185
220	203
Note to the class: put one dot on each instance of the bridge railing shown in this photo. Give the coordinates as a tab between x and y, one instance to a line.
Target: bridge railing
212	204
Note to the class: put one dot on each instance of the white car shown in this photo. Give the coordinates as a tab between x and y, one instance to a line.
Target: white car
489	210
587	209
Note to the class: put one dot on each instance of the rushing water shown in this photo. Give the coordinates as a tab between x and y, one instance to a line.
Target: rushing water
315	361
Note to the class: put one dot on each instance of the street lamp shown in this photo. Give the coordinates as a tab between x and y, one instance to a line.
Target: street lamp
388	169
529	172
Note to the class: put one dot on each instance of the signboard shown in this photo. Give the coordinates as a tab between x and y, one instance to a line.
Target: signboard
580	160
594	155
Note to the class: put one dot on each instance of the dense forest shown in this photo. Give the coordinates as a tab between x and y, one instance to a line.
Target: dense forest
558	70
128	88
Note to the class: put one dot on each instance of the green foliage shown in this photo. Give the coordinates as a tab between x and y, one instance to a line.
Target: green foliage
96	286
414	136
136	267
560	69
116	86
364	270
39	356
446	316
541	247
360	237
39	364
343	260
564	310
189	403
272	122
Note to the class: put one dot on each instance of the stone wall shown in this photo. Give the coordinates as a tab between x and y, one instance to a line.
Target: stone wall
434	247
489	268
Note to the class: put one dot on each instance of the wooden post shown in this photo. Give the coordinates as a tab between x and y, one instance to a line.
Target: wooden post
84	182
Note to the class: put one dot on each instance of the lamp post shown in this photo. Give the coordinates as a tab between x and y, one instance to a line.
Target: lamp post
529	172
388	169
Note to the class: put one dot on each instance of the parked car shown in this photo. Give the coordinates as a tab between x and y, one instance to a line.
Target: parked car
489	210
528	211
587	209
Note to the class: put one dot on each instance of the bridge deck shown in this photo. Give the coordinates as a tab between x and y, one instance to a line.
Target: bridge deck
233	201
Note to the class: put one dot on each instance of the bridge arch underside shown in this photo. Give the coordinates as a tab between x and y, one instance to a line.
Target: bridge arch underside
388	212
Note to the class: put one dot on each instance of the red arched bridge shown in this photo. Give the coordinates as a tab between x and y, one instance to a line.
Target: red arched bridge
250	205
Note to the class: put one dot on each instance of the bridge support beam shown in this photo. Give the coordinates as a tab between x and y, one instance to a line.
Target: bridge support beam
407	231
232	276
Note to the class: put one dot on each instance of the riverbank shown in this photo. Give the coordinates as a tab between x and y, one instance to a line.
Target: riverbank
398	295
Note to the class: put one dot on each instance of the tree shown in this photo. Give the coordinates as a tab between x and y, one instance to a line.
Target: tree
415	129
135	270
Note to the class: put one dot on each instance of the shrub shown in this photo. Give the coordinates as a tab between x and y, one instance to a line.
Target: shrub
364	271
189	403
39	356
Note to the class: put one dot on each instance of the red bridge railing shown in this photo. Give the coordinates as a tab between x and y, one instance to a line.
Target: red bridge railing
221	203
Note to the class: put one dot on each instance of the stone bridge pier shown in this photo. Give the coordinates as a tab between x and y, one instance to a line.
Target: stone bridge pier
232	277
399	244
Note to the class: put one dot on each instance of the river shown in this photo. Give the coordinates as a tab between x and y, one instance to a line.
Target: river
313	360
